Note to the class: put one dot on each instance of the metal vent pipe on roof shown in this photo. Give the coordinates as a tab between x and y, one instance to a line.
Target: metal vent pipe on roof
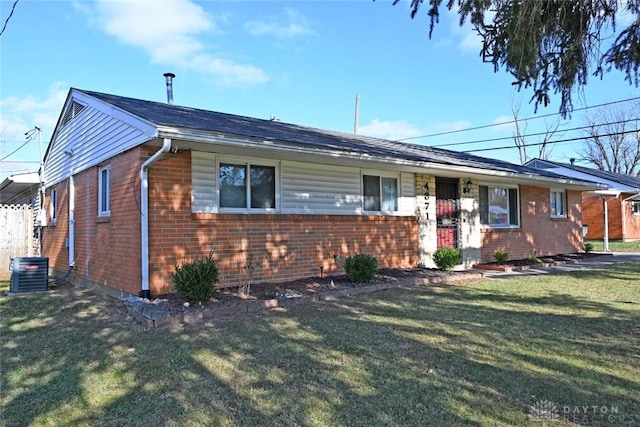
169	77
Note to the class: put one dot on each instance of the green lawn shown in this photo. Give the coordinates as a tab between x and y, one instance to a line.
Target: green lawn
616	246
478	354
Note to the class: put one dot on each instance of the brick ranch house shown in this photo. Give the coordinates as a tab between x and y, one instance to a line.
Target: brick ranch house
134	187
612	212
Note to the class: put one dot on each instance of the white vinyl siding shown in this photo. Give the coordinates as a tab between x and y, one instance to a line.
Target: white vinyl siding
204	195
92	137
303	188
407	198
320	189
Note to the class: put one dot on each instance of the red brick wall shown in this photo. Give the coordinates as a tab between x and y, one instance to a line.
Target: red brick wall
107	250
594	216
538	233
283	247
55	233
632	231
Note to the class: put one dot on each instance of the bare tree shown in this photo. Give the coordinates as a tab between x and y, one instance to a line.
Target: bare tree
613	142
523	141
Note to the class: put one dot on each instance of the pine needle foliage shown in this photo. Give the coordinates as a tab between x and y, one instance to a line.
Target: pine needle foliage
550	46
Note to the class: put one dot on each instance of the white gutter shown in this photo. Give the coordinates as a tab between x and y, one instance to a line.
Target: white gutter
144	213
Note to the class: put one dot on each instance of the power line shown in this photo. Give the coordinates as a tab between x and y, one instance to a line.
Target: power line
480	141
14	151
9	17
513	121
19	161
549	142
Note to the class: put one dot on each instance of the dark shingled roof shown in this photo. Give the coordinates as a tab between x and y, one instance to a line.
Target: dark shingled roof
204	120
620	178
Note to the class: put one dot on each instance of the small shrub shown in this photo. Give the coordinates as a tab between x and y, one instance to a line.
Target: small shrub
361	268
500	255
535	260
588	247
195	280
447	258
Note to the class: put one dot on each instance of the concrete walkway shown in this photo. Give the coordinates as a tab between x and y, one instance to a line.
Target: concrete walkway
597	262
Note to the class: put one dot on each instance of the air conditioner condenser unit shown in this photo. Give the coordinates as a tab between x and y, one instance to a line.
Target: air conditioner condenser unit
29	274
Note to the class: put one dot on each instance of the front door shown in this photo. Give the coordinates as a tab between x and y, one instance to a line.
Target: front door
447	212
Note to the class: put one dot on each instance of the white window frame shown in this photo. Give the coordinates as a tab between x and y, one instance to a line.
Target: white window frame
635	207
104	191
507	187
559	195
247	163
381	175
54	204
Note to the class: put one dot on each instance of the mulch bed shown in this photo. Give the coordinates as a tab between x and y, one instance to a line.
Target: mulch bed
229	301
542	261
305	287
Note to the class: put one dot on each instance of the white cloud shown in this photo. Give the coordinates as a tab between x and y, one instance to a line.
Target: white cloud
400	130
466	37
394	130
502	123
168	31
294	25
452	126
18	115
227	72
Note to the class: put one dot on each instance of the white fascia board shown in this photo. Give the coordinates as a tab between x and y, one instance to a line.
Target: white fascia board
145	126
194	135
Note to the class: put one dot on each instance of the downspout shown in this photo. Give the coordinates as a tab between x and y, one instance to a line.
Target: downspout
605	238
144	212
71	236
72	221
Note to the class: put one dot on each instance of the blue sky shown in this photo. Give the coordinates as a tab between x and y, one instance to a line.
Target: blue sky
301	61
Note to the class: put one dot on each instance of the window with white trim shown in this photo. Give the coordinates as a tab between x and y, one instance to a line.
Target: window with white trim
499	206
54	204
380	193
104	190
247	186
558	203
635	207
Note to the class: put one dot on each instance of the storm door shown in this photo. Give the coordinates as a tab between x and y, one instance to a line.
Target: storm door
447	212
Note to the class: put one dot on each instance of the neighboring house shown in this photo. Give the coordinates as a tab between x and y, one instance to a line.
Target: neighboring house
18	208
612	212
135	187
20	189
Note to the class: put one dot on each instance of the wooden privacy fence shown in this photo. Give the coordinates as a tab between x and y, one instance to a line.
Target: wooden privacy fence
17	237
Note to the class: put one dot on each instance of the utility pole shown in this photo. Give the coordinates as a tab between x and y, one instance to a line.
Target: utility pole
357	117
40	216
